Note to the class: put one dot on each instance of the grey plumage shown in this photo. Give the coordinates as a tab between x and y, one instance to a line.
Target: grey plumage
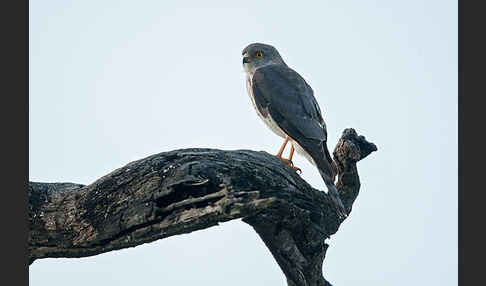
286	103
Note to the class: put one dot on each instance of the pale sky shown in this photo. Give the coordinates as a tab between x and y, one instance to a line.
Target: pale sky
115	81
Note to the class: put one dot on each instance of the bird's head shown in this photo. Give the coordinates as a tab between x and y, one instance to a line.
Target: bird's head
257	55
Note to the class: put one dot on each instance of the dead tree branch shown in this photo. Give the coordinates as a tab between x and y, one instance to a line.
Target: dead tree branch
186	190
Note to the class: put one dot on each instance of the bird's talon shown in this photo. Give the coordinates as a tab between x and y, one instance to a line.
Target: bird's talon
291	164
298	170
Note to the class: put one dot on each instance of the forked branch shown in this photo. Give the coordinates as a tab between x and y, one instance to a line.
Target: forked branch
186	190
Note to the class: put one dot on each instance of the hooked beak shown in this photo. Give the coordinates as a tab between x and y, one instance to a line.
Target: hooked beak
246	58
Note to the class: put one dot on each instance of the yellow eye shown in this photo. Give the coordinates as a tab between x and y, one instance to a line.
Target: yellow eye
259	54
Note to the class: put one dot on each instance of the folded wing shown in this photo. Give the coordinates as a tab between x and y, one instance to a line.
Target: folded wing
290	101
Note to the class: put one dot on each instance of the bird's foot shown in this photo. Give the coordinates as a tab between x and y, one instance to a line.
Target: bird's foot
290	163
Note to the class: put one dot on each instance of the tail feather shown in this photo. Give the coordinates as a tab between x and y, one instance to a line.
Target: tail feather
328	172
334	195
329	159
320	156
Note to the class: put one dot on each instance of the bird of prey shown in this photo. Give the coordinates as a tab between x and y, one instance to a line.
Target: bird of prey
286	103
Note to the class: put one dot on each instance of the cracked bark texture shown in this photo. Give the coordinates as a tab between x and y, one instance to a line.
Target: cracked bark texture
185	190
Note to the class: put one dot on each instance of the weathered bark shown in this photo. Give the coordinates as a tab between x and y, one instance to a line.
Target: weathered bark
185	190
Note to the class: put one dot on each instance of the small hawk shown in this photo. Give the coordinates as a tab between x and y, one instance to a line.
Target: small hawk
286	103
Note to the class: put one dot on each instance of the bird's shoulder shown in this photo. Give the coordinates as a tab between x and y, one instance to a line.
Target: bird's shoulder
278	76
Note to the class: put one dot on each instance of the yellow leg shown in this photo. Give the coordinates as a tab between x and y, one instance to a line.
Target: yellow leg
282	148
292	149
289	160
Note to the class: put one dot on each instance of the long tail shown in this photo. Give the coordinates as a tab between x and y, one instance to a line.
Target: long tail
325	167
334	195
